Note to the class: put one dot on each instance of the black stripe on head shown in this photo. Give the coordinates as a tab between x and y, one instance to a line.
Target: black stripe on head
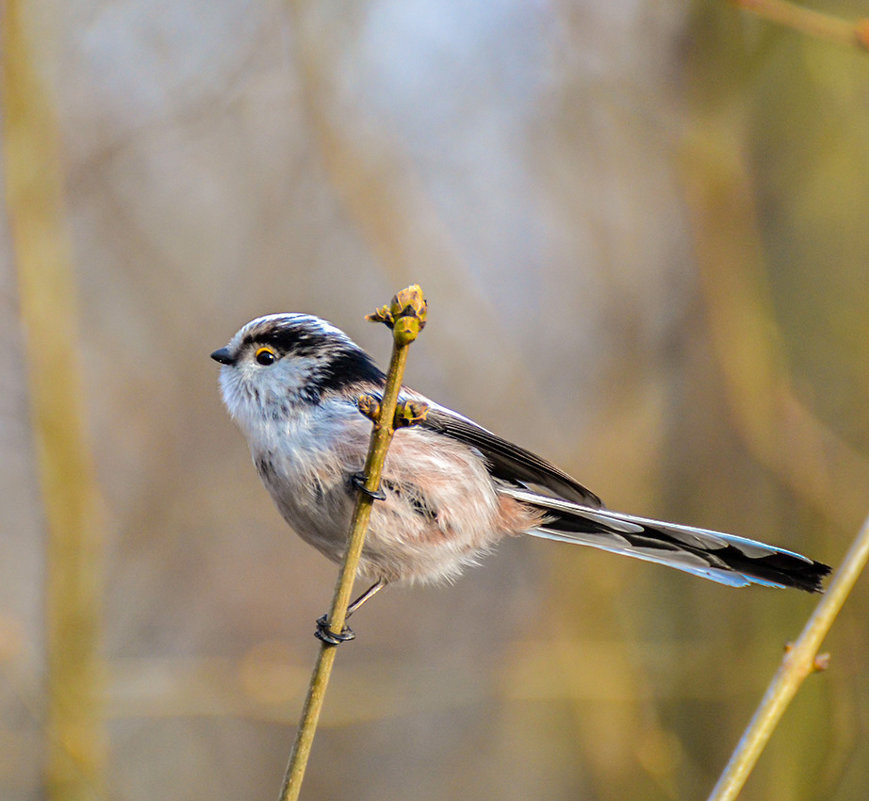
336	362
347	367
299	336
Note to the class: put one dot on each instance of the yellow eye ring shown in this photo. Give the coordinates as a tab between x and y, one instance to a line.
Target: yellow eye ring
265	356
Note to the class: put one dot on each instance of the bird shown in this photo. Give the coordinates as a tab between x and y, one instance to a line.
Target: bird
450	489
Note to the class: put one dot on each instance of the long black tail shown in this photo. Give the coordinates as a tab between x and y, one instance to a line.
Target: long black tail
714	555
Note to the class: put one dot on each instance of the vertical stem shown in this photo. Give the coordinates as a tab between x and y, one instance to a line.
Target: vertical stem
295	773
381	436
73	580
798	663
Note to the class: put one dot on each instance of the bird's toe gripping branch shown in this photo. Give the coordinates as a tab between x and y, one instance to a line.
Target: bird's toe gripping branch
329	637
358	481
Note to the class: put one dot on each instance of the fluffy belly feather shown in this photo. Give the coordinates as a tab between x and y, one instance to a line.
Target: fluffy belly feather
440	513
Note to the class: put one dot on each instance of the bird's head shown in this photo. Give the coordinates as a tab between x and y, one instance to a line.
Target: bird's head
277	363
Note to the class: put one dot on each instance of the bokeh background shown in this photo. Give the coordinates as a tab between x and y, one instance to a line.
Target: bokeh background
642	230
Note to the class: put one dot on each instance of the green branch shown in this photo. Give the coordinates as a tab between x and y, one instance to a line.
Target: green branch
812	23
406	317
800	660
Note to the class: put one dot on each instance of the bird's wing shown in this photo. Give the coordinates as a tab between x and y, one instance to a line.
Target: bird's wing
714	555
506	461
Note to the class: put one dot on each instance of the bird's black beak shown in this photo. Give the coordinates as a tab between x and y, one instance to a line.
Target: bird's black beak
223	356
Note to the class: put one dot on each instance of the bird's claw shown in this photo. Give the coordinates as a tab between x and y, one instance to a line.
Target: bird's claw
329	637
358	481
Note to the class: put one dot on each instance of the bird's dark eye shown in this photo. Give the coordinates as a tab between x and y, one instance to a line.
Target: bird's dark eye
265	356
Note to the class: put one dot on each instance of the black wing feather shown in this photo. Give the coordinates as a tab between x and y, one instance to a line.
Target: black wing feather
507	461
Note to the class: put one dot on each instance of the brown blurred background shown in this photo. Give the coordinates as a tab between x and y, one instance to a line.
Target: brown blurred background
642	230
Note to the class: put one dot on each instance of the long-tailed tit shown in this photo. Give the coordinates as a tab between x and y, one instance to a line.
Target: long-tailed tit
452	489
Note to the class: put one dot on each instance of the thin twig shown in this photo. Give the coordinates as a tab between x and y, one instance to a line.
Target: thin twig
800	660
813	23
406	317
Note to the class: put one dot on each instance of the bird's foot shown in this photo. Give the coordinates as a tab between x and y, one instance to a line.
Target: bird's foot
358	481
329	637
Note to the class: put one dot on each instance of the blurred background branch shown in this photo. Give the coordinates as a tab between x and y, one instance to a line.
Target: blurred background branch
74	738
809	22
805	454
